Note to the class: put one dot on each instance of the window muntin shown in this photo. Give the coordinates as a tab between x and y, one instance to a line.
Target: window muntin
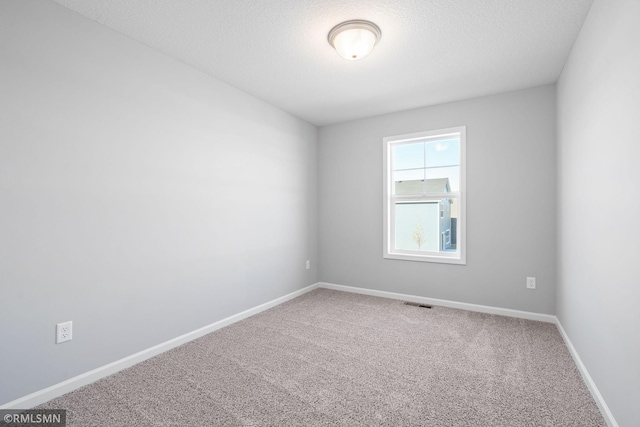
424	196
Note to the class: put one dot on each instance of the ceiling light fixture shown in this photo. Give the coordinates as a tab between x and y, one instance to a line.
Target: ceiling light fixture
354	40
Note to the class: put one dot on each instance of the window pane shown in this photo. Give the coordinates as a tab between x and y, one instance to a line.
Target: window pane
436	163
408	156
437	175
408	175
442	153
426	226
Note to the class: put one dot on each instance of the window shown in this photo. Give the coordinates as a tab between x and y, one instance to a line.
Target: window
424	196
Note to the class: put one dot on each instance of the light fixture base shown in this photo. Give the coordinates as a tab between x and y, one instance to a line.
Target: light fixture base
348	40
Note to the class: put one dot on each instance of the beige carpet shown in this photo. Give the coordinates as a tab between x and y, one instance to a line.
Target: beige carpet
331	358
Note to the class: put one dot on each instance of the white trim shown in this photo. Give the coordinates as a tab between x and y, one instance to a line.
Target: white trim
81	380
56	390
444	303
438	257
548	318
595	393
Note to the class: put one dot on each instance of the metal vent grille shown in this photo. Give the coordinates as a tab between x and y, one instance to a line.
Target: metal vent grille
417	304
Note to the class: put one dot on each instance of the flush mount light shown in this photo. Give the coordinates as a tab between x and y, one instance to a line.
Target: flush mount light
354	40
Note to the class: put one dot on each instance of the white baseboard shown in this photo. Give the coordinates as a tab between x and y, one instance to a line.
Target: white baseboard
56	390
595	393
81	380
444	303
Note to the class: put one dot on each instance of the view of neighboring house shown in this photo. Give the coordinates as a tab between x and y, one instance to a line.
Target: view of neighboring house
425	225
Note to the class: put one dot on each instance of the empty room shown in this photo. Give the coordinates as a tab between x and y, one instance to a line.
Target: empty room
319	213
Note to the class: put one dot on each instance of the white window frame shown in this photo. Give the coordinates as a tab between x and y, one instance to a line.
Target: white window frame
390	252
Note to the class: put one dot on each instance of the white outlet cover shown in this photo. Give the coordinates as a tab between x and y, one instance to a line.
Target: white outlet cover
308	264
64	332
531	282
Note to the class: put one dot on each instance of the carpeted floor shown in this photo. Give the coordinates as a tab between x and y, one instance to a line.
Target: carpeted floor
331	358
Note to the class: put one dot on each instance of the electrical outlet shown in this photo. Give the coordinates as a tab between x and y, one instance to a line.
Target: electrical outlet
531	282
64	332
308	264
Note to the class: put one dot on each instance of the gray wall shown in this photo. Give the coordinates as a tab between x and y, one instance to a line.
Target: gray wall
140	198
511	197
599	232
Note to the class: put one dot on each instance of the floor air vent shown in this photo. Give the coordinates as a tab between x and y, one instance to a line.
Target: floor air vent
417	304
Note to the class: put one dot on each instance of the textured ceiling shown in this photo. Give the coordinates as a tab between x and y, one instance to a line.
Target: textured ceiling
431	51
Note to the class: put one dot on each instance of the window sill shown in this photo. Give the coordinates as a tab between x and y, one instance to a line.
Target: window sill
426	258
